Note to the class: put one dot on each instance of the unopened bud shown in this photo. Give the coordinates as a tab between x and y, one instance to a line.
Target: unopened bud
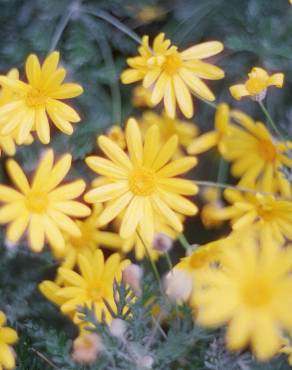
178	285
146	362
86	348
132	276
162	243
118	328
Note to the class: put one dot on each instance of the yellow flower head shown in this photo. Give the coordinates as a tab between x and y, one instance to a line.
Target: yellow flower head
91	285
142	183
185	131
42	207
251	293
256	157
37	99
7	142
8	336
172	75
116	134
141	97
272	217
90	238
257	84
214	138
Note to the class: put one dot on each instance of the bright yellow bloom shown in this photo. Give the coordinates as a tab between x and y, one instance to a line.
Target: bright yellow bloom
142	183
44	208
251	293
141	97
172	75
116	134
257	84
91	285
7	143
257	158
185	131
34	101
214	138
8	336
272	217
88	241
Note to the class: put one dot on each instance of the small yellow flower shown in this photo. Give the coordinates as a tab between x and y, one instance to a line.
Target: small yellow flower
256	157
142	183
212	196
141	97
214	138
116	134
34	101
172	75
185	131
8	336
150	13
91	285
44	207
257	84
88	241
7	142
272	217
250	292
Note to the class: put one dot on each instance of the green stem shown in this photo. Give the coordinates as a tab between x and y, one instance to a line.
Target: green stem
168	260
271	121
113	21
184	242
154	268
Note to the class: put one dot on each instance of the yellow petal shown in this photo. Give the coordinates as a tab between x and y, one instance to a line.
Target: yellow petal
16	229
134	141
53	234
238	91
151	145
196	85
183	97
42	173
67	91
105	167
114	152
73	208
203	143
106	192
10	211
68	191
180	186
58	172
159	89
36	233
132	217
166	153
277	79
169	216
17	176
203	50
72	277
42	125
6	356
50	64
111	211
33	70
8	335
178	167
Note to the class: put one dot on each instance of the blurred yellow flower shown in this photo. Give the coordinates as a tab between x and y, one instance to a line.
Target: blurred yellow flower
251	293
272	217
172	75
42	207
150	13
256	157
34	101
8	336
257	84
116	134
212	196
7	142
141	97
88	241
185	131
214	138
91	285
142	183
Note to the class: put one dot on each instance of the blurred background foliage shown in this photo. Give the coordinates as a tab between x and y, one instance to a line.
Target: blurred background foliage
94	52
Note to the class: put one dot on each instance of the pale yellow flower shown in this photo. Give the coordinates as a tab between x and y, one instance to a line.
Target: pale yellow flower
8	336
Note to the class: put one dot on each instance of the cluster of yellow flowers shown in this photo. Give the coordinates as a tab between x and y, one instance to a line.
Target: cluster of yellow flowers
243	280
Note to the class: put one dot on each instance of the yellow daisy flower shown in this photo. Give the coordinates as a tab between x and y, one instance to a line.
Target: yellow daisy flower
88	241
39	98
92	285
251	293
8	336
142	183
271	216
7	142
257	84
257	158
44	208
185	131
214	138
172	74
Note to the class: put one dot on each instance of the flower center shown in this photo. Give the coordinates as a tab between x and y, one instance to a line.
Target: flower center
96	293
257	292
267	150
255	85
142	181
265	211
37	202
35	98
172	63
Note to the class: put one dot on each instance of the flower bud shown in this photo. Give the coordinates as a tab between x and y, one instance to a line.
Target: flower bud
162	243
118	328
178	285
86	348
132	276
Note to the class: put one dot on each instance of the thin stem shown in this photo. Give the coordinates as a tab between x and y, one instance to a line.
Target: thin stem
270	120
44	358
184	242
62	25
108	59
211	104
154	268
113	21
168	260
